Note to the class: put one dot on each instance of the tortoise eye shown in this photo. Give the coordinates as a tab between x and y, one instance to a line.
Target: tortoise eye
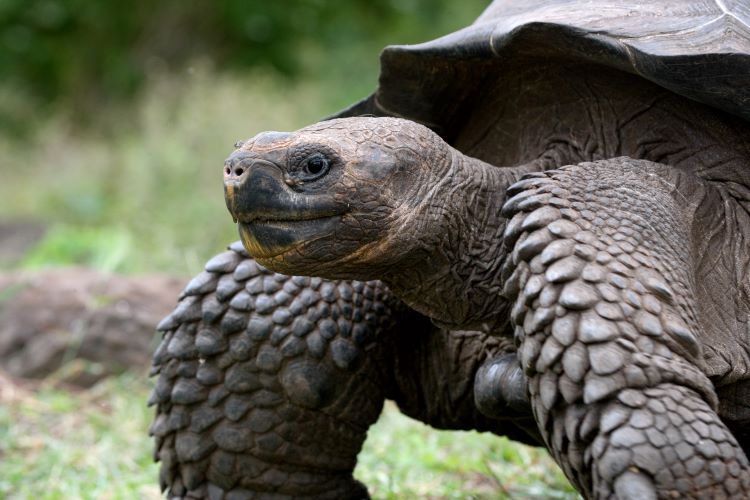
317	165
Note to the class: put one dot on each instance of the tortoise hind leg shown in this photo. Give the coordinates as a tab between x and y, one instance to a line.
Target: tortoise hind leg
608	334
458	380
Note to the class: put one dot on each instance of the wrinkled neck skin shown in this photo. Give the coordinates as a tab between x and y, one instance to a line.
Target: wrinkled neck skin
452	273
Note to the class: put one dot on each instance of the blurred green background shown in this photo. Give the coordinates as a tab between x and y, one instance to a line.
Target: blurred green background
115	118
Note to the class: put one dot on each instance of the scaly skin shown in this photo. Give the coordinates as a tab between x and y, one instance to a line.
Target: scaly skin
267	383
609	336
597	270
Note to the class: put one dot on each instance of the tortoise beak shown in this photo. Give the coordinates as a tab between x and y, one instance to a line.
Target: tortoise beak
272	217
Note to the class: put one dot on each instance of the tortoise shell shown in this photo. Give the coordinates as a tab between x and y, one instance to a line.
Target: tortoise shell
698	49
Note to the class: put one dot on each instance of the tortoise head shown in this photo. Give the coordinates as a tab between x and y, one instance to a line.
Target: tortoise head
332	199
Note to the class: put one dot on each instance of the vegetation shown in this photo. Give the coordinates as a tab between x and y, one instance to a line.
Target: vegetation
69	444
80	55
118	117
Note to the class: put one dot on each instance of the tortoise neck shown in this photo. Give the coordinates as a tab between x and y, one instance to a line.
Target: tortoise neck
454	275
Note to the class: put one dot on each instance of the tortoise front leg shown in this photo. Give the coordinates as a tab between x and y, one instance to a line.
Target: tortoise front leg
267	383
608	333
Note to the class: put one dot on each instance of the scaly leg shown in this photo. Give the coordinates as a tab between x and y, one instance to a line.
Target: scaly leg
267	383
608	334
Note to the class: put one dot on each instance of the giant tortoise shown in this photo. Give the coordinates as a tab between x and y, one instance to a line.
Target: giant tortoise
570	175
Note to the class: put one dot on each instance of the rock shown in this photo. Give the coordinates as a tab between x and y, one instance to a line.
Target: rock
104	323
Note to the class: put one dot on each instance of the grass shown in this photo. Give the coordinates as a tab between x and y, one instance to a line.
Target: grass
68	444
91	444
403	458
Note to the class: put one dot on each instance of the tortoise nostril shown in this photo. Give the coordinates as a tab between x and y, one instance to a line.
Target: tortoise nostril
227	170
238	171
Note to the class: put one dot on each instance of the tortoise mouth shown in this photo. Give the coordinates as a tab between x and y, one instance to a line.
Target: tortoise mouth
274	219
266	238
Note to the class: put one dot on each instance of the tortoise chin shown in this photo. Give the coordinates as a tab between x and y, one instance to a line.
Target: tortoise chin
269	238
